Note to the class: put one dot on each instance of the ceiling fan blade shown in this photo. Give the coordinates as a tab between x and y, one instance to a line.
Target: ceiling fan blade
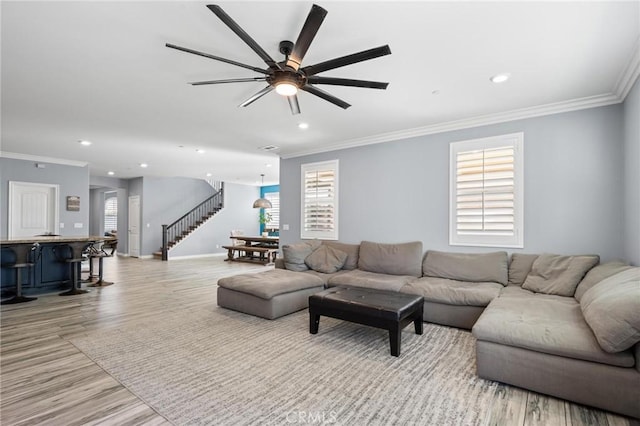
365	55
257	96
231	80
242	34
293	104
324	95
217	58
347	82
306	36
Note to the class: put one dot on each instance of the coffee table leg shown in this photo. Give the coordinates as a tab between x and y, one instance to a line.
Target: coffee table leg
395	336
314	323
417	324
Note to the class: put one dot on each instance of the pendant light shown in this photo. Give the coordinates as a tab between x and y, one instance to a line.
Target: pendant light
262	203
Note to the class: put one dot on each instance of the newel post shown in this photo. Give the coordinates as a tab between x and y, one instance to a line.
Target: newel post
165	249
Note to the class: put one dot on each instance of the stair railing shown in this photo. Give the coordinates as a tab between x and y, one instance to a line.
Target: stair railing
191	220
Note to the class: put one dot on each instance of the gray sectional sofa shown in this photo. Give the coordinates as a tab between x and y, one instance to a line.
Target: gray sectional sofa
566	326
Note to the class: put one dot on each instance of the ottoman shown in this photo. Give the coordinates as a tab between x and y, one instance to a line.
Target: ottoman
270	294
388	310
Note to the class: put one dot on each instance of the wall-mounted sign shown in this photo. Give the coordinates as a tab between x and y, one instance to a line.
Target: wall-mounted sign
73	203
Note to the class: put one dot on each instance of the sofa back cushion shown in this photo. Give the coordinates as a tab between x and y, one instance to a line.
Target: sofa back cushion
478	267
597	274
295	254
392	259
520	267
612	310
352	250
559	275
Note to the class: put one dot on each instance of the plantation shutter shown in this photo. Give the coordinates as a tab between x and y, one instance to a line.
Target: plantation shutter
487	192
320	200
274	197
484	191
111	214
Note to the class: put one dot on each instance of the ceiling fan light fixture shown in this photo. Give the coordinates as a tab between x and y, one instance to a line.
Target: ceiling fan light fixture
286	89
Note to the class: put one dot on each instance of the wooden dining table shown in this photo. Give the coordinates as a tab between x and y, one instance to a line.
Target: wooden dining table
253	249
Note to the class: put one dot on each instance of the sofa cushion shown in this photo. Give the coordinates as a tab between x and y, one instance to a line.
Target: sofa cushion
324	277
392	259
612	310
358	278
550	324
352	250
326	259
520	266
452	292
597	274
556	274
266	285
295	254
475	267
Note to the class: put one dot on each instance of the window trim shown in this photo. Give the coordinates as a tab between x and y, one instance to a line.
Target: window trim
322	165
485	240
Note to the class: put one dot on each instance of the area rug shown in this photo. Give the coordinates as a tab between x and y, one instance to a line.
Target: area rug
219	367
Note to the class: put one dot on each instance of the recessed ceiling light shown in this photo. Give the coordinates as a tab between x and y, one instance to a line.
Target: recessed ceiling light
200	151
500	78
303	126
110	173
143	165
84	143
268	165
208	174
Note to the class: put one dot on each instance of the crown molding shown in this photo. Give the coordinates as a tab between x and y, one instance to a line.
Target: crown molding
629	74
483	120
28	157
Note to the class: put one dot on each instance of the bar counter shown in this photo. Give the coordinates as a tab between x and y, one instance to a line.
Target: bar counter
49	274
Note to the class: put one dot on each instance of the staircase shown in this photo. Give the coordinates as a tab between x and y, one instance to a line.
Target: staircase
190	221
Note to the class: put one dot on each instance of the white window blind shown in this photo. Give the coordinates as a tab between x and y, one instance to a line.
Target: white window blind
486	192
274	211
320	200
111	214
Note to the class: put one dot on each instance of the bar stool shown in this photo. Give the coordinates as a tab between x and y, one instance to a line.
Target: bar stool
64	254
9	260
99	251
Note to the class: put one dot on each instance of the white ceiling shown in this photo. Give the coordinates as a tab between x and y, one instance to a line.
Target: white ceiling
100	71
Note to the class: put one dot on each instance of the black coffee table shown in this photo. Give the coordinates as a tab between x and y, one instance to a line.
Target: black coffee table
381	309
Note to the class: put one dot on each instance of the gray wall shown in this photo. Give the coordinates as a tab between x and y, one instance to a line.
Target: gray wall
573	186
632	174
73	180
238	213
163	201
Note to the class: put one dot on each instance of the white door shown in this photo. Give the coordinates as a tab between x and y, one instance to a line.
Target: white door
33	209
134	226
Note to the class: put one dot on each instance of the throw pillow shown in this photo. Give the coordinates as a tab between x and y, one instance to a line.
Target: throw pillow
597	274
326	259
295	254
612	310
352	251
520	267
560	275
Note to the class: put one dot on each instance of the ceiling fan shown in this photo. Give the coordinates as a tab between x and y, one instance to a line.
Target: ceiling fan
288	76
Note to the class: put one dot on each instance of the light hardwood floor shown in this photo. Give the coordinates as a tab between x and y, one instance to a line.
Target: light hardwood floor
46	380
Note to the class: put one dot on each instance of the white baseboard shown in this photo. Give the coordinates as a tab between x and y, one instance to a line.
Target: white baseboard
197	256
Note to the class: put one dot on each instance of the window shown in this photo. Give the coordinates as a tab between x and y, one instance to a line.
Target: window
274	211
111	214
486	192
320	200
